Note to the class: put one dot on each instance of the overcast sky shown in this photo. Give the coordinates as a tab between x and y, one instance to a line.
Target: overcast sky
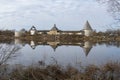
67	14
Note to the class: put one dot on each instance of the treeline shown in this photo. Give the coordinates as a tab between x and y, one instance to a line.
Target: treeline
108	32
6	33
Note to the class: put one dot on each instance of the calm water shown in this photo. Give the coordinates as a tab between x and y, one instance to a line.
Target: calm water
75	54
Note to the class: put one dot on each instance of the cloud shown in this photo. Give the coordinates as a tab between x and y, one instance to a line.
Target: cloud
46	12
45	6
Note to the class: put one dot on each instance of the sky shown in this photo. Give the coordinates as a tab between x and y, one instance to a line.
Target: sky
66	14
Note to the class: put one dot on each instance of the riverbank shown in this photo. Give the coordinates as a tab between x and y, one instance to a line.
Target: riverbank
69	38
108	71
97	37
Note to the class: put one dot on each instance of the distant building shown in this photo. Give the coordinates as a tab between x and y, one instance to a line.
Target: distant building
80	32
32	30
54	31
20	33
88	31
17	34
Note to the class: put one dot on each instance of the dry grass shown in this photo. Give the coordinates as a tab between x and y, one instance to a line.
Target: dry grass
109	71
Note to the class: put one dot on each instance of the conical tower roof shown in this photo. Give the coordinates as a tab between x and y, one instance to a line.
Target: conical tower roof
33	28
87	47
33	46
87	26
87	50
54	47
55	28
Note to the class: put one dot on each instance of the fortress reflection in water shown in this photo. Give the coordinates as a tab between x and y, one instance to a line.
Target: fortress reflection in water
87	45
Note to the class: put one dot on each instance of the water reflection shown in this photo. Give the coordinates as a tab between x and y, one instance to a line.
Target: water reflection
113	43
32	44
66	52
86	45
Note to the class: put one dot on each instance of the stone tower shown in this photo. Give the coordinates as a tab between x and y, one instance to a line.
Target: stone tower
33	30
54	30
19	33
88	31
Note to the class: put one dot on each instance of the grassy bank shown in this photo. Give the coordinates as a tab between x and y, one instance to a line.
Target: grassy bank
108	71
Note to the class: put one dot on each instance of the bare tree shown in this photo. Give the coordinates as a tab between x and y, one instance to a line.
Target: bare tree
113	7
7	52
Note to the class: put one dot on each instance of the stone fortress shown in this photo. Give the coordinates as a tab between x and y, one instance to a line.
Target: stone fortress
86	31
